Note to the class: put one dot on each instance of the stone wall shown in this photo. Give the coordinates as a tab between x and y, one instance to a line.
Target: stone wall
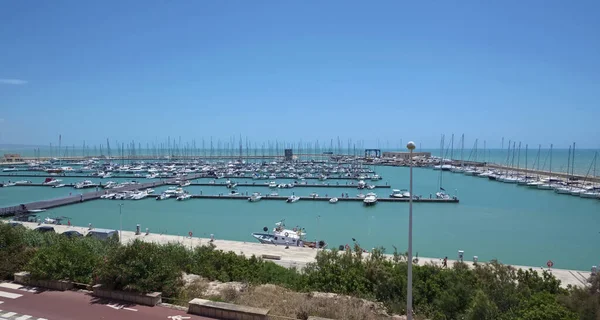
24	278
226	311
148	299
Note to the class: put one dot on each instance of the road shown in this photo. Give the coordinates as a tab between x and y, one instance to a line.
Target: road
20	303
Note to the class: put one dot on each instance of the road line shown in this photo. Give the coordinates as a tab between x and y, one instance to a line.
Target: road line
24	317
8	314
9	295
42	319
130	309
16	286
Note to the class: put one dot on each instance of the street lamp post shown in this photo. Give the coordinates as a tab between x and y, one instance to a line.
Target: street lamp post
120	223
410	146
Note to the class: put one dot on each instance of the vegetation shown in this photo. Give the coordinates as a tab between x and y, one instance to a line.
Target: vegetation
488	291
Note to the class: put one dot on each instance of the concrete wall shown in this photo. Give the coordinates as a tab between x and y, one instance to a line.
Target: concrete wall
226	311
148	299
405	155
24	278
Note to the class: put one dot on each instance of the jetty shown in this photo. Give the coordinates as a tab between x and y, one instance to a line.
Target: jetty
296	257
81	197
309	198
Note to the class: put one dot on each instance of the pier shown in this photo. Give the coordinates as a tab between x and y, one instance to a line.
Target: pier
77	198
309	198
198	176
294	256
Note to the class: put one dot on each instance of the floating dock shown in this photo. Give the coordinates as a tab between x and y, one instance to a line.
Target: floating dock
308	198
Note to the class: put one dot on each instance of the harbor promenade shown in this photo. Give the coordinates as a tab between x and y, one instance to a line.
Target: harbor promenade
296	256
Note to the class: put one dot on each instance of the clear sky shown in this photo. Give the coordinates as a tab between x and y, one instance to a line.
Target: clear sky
300	70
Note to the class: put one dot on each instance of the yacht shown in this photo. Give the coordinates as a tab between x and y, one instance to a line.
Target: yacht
272	184
85	184
333	200
375	177
109	185
288	237
9	184
590	194
360	196
442	195
23	182
60	185
184	183
107	196
164	196
184	196
51	181
151	176
370	200
396	193
255	197
149	190
139	195
10	169
292	199
314	195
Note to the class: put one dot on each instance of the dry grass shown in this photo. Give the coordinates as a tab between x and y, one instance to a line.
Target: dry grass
283	302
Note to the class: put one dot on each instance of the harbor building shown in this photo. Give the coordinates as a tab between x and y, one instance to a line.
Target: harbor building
12	157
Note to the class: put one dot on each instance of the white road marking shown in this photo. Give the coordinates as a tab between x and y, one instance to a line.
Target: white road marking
130	309
42	319
9	295
25	317
116	307
1	302
16	286
8	314
178	317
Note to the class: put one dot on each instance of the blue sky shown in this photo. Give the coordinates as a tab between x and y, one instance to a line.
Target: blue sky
300	70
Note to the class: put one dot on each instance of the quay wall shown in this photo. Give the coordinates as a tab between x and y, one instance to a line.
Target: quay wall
298	257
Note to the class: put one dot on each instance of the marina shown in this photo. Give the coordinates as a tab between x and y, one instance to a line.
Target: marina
483	207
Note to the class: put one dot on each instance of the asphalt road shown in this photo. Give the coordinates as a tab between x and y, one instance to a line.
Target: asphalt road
34	304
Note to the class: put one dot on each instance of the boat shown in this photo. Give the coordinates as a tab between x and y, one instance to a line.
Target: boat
397	193
255	197
292	199
273	194
314	195
9	184
107	196
10	169
163	196
333	200
184	183
442	195
36	210
51	181
289	237
234	193
272	184
149	190
139	195
23	182
370	200
375	177
60	185
85	184
184	196
360	196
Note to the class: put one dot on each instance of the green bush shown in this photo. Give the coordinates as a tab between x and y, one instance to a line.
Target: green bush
141	267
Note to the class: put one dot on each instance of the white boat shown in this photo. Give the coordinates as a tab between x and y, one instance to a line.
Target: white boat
149	190
36	210
10	169
51	181
85	184
107	196
184	183
60	185
292	199
9	184
360	196
590	194
288	237
151	176
442	195
48	220
23	182
370	200
163	196
109	185
139	195
273	194
333	200
272	184
184	196
375	177
314	195
255	197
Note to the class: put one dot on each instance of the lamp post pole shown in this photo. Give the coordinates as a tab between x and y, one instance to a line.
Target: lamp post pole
120	224
410	146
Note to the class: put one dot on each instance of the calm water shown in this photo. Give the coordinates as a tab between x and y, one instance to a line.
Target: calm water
522	159
514	224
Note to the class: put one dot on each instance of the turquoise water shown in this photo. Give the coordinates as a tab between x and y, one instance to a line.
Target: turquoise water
514	224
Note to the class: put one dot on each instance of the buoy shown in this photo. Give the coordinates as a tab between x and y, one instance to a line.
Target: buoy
550	263
265	229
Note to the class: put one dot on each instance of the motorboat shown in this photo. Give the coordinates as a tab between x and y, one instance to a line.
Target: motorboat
397	193
442	195
109	185
60	185
333	200
51	181
107	196
361	184
273	194
149	190
292	199
10	169
360	196
255	197
370	200
314	195
272	184
9	184
22	182
36	210
139	195
234	193
163	196
184	196
288	237
375	177
85	184
184	183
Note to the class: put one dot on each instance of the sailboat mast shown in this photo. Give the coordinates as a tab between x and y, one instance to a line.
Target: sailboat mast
573	160
551	160
462	148
526	149
569	162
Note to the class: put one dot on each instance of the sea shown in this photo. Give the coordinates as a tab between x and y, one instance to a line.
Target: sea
513	224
